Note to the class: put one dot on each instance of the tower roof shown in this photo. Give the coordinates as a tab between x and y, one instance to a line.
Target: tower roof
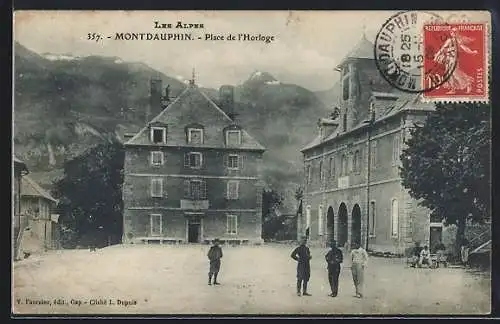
362	50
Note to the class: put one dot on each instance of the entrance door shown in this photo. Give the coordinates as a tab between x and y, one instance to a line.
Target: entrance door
356	226
435	237
193	231
342	230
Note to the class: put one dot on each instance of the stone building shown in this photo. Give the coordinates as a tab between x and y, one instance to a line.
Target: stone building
19	170
342	182
192	173
37	206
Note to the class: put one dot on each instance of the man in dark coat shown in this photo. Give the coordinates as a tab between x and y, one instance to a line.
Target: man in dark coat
214	255
334	258
302	255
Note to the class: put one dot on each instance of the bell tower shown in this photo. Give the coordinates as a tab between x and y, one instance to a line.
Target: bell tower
359	77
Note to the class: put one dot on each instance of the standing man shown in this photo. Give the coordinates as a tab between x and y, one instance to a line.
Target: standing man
359	260
302	255
334	258
214	255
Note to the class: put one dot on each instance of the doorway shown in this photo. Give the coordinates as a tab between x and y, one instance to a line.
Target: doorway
342	230
194	230
436	236
356	226
330	224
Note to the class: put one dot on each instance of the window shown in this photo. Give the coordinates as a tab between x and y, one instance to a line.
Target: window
232	224
343	165
308	216
394	218
233	137
350	161
345	88
232	189
332	167
308	174
320	220
357	161
395	149
320	171
195	189
158	135
195	136
156	187
374	154
372	224
232	162
156	224
157	158
193	160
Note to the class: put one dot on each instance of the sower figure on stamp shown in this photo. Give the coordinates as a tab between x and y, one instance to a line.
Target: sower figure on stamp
302	255
334	258
359	259
214	255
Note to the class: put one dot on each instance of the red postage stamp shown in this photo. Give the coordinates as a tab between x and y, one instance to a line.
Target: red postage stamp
456	62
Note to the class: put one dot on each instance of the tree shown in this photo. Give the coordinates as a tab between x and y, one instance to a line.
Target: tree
446	164
272	223
90	194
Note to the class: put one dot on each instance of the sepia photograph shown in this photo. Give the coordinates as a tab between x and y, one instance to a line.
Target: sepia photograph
251	163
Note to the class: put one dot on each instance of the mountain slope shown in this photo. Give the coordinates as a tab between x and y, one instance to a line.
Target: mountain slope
64	106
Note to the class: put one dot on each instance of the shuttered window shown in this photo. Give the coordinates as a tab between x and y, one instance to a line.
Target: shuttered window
232	189
195	189
232	224
157	158
156	187
193	160
234	161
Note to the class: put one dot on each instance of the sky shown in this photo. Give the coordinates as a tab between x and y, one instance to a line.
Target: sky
307	46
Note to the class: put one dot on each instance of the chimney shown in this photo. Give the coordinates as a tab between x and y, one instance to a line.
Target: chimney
165	99
155	99
326	127
226	98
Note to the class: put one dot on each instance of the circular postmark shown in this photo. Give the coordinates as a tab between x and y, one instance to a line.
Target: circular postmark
407	59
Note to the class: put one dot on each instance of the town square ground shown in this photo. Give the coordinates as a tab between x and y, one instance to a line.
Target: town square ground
166	279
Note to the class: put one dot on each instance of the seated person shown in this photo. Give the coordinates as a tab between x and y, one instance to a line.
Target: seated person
415	256
424	257
441	254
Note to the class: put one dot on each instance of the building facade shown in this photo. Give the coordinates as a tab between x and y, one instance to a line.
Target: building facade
192	173
37	206
19	170
353	191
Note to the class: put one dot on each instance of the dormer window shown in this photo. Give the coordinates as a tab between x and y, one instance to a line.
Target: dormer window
195	135
158	135
233	137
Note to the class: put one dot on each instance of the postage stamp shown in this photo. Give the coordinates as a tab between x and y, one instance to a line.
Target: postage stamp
459	50
175	163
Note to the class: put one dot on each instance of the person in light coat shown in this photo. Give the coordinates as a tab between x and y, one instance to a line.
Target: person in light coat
359	260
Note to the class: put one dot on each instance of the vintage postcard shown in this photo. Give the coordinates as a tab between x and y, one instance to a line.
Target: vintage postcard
243	162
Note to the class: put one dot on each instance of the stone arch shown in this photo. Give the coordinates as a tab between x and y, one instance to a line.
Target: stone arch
356	225
342	229
330	224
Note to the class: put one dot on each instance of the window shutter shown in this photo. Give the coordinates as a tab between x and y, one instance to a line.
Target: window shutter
226	160
204	189
237	190
226	192
186	189
186	159
241	161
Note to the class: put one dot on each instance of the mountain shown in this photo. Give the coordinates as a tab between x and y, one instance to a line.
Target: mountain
63	105
331	96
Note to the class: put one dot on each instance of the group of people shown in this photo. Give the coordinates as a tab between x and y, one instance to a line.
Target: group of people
422	256
334	258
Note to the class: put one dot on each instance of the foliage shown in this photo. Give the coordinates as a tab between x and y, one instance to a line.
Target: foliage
446	165
271	218
90	194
